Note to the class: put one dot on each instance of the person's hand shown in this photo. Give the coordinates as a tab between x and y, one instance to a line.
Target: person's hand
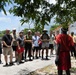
19	48
8	46
57	60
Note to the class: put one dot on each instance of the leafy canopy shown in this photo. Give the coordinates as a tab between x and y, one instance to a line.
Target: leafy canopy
3	3
41	11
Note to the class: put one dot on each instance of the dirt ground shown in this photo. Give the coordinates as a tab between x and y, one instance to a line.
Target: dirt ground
52	69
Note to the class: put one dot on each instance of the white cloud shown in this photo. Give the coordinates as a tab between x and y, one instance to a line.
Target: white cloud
5	19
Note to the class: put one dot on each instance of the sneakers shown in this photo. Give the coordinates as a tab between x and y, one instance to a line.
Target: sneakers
30	60
19	62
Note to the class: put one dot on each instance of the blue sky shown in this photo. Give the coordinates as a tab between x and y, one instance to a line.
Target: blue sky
9	21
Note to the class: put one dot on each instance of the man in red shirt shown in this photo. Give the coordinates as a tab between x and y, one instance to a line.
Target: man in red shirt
64	45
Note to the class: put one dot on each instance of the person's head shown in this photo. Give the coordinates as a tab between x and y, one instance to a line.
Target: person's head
57	32
38	33
72	33
29	32
7	31
51	32
35	33
14	30
20	33
64	30
44	31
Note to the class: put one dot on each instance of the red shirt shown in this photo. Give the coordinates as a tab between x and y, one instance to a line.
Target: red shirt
66	43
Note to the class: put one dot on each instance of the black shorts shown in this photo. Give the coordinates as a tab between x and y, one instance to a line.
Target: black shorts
40	47
35	49
14	48
0	50
51	46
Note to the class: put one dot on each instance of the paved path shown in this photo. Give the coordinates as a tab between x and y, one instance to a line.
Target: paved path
25	68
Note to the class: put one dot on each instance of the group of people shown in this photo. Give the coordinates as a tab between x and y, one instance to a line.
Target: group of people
31	46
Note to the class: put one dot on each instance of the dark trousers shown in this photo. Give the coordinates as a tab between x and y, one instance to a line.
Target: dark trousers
23	56
28	48
73	52
35	50
60	72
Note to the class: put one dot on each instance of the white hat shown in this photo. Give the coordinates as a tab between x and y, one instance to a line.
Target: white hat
14	28
29	30
45	30
7	29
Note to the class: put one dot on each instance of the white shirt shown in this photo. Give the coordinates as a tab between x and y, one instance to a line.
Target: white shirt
35	40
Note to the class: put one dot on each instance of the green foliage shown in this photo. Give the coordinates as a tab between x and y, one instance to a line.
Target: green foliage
26	31
3	4
41	11
66	12
30	10
38	28
53	27
2	33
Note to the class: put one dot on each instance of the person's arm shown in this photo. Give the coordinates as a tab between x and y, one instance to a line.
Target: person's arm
57	55
58	49
48	38
4	43
18	44
11	41
25	40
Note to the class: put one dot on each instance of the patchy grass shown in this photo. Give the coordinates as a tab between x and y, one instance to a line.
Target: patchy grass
52	69
73	70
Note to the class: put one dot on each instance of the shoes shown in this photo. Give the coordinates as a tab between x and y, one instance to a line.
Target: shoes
21	62
15	60
6	65
37	57
47	58
30	60
25	60
33	57
11	63
0	62
18	63
42	57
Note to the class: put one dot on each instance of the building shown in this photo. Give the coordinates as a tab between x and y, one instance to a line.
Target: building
72	28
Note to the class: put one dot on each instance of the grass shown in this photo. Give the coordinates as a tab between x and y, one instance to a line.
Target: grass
50	69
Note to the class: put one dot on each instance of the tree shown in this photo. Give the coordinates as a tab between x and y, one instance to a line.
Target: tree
37	10
66	12
3	3
38	27
53	27
41	11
